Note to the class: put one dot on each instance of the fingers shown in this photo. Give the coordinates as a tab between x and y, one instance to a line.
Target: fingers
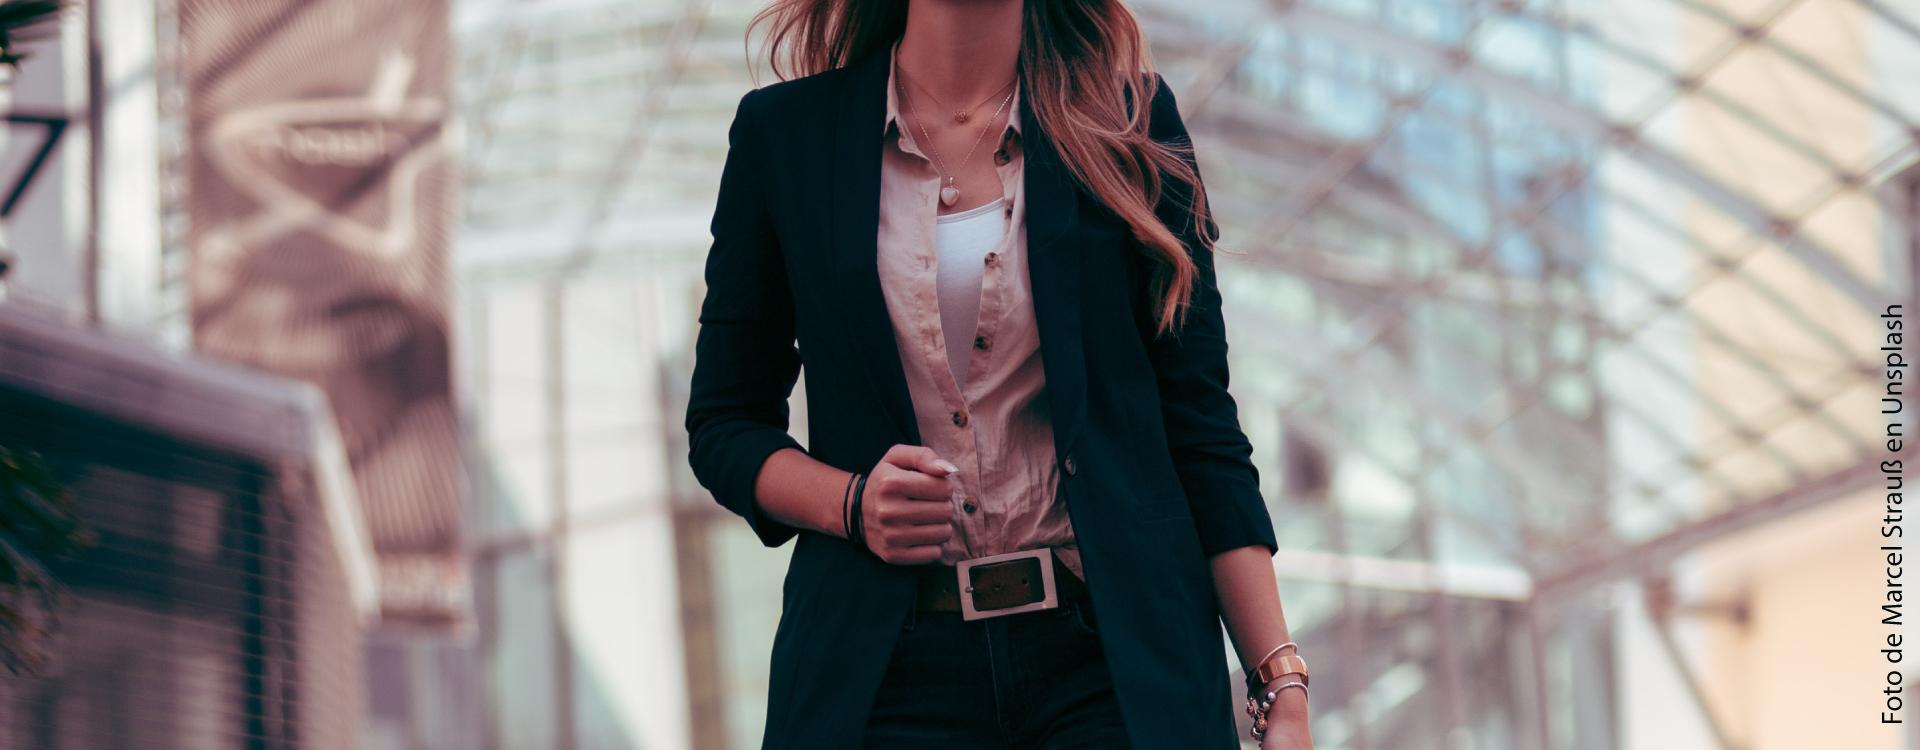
912	512
894	523
911	555
901	483
908	508
921	535
909	545
919	458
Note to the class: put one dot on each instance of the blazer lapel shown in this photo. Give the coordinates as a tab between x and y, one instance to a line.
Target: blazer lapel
853	220
1053	266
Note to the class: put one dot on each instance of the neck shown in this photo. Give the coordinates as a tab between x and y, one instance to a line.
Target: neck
962	50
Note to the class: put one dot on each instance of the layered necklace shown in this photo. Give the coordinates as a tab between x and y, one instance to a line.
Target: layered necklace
950	193
960	116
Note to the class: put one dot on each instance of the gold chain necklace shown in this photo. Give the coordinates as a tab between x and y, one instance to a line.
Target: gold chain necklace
960	116
950	194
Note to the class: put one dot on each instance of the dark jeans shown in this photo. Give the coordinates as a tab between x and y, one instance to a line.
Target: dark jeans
1031	680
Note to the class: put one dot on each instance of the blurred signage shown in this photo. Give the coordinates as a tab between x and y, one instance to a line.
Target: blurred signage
320	205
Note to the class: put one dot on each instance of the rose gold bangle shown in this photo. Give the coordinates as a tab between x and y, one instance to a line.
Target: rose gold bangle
1276	649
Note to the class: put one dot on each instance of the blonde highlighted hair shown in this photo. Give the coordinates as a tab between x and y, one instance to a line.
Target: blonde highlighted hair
1087	75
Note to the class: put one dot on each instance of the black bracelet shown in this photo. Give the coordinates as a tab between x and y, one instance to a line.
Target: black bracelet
845	505
859	535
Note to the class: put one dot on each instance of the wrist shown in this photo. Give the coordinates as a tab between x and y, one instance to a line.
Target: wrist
1250	666
1282	661
842	524
1289	700
1272	683
854	510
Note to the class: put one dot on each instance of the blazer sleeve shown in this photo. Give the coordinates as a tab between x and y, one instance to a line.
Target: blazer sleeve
1210	452
745	361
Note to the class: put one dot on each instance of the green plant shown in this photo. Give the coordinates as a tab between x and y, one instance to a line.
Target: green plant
23	21
37	526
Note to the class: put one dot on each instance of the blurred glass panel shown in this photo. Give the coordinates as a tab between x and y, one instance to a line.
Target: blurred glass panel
515	409
1334	89
1892	45
617	422
1809	81
520	496
1439	21
523	654
623	613
1525	47
1734	160
747	611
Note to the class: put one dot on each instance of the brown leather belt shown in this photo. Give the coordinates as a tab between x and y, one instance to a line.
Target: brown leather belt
1002	584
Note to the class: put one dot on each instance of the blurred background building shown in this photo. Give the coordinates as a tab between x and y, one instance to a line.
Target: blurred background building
1554	328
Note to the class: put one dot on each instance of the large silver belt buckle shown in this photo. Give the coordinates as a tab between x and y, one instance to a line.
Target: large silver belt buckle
1044	556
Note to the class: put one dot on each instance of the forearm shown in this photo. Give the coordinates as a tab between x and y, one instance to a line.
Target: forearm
1250	604
798	490
1249	601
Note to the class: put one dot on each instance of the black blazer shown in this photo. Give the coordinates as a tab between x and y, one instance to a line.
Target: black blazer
1155	469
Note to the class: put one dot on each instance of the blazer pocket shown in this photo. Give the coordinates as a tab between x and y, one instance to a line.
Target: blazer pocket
1164	508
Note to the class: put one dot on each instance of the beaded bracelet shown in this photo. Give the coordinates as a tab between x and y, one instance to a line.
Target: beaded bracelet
1258	708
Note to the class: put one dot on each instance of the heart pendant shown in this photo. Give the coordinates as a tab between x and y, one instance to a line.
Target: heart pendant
960	117
949	196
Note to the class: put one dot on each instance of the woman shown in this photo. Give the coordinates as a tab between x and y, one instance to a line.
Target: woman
997	270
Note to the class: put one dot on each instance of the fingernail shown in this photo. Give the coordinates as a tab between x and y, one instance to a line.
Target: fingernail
946	466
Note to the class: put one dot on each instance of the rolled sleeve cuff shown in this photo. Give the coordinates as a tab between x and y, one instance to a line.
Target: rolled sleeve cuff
1231	515
743	471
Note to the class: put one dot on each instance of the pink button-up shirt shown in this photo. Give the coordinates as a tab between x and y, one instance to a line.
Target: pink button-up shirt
996	426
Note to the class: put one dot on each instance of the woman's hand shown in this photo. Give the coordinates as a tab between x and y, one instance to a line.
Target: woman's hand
907	507
1287	723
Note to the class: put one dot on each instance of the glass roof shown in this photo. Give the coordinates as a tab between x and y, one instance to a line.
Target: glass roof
1549	275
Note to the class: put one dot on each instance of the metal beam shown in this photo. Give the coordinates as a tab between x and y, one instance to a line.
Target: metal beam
1656	554
1659	617
1410	576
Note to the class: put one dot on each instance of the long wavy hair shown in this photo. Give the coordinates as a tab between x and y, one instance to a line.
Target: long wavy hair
1082	64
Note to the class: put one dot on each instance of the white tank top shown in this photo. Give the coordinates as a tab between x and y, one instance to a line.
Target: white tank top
961	242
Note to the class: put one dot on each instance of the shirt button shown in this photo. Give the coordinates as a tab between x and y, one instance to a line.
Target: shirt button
959	419
968	507
981	343
1068	466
